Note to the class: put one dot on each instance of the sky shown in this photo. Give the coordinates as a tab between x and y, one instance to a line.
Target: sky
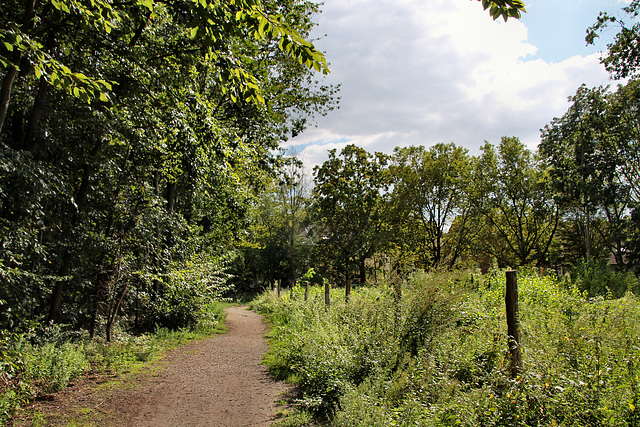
419	72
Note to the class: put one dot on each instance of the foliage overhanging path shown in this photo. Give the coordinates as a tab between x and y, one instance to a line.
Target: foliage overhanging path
216	382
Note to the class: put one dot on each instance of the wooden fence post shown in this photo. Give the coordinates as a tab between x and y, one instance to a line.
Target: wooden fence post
513	324
306	290
397	299
347	291
327	293
279	286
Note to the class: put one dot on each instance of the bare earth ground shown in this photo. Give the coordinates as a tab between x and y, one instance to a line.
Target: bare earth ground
214	382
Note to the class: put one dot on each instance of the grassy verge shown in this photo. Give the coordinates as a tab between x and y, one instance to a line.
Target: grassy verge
39	364
437	355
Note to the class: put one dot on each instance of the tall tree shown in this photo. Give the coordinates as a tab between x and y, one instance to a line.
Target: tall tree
585	152
35	35
162	168
429	194
511	194
279	244
349	203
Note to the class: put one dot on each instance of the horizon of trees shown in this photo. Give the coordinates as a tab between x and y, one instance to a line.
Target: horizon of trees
140	175
575	200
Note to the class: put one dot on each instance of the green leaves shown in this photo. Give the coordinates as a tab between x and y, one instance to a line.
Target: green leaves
349	201
429	193
505	8
623	53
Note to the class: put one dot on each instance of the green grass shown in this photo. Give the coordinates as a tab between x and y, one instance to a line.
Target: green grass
439	356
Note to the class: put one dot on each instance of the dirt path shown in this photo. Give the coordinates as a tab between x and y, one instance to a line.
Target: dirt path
215	382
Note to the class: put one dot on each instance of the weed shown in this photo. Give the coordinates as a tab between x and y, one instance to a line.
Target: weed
439	355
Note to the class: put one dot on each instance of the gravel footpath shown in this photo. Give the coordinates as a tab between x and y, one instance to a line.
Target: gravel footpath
214	382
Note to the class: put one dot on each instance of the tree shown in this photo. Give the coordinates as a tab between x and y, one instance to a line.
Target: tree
161	173
590	152
34	36
349	204
512	196
280	244
623	121
623	61
429	194
623	54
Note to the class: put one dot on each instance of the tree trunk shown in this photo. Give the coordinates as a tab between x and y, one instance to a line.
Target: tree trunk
56	298
36	114
12	72
363	271
171	196
5	92
80	196
114	312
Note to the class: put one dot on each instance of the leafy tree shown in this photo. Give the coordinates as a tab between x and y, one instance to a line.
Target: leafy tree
161	172
623	53
35	35
622	60
429	194
590	151
349	202
623	123
573	146
280	244
512	196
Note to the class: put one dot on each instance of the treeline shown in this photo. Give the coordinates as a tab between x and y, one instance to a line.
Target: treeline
439	207
139	178
134	138
572	205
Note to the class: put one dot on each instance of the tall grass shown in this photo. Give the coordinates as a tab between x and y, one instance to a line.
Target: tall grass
439	355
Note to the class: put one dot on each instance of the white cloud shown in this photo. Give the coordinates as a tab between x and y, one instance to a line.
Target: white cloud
419	72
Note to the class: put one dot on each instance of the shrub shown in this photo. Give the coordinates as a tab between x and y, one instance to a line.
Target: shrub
598	279
189	290
51	367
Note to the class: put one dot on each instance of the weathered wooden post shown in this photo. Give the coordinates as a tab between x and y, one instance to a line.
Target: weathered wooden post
279	286
397	299
306	290
347	290
513	324
327	293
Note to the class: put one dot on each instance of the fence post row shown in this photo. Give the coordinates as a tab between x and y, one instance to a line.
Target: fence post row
513	324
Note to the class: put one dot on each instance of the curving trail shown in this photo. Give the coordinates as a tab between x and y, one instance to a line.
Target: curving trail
216	382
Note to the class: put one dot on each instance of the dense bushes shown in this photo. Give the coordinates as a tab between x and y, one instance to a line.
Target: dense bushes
439	355
599	279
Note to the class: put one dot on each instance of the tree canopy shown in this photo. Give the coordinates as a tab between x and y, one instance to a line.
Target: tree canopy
114	198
